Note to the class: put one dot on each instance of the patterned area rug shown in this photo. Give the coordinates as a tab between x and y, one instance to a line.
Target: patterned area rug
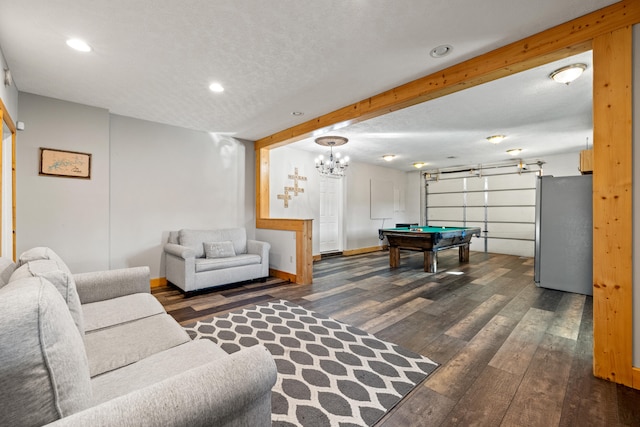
329	373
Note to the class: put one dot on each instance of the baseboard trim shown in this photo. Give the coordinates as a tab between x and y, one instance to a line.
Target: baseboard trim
635	377
351	252
282	275
317	258
158	282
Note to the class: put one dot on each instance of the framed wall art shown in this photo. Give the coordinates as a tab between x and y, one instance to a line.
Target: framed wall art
62	163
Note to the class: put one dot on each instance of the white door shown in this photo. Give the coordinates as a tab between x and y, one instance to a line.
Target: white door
330	214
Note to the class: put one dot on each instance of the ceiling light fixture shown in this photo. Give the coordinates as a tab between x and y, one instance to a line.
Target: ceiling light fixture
79	45
297	113
334	166
568	74
496	139
440	51
514	151
216	87
388	157
418	165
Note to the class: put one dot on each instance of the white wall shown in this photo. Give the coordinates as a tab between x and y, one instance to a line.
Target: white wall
306	205
8	94
414	197
69	215
146	179
166	178
562	164
282	254
360	231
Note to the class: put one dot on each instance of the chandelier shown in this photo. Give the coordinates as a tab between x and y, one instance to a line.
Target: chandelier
334	166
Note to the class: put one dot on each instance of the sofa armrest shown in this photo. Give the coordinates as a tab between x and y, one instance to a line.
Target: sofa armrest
179	251
103	285
258	248
231	391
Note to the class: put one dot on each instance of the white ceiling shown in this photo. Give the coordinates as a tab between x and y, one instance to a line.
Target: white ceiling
536	114
154	60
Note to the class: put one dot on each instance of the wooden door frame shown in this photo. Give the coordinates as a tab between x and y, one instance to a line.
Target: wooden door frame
608	32
6	118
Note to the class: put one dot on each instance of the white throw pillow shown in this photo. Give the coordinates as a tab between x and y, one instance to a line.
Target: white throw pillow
219	249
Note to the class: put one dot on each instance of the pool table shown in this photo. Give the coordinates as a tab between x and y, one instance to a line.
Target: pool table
430	240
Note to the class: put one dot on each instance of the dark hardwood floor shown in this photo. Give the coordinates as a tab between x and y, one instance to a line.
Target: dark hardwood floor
511	354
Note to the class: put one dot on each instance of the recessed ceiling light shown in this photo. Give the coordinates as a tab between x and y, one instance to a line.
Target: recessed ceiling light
418	165
440	51
568	74
297	113
216	87
496	139
388	157
514	151
79	45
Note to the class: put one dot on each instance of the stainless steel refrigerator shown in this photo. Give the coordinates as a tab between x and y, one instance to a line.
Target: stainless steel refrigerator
564	234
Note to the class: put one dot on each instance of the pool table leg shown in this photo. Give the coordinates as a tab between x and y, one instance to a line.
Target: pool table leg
394	256
430	261
463	253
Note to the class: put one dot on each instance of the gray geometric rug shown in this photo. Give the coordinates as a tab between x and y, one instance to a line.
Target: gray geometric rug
329	373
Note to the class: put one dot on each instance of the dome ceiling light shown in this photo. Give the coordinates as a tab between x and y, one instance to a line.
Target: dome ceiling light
568	74
496	139
216	87
79	45
441	51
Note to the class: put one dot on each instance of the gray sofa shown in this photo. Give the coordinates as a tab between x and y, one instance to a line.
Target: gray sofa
97	349
198	259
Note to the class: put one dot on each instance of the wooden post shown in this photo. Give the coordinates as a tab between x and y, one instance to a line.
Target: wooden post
394	256
612	207
430	261
463	253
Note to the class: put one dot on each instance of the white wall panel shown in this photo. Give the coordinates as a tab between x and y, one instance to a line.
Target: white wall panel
504	200
445	214
512	197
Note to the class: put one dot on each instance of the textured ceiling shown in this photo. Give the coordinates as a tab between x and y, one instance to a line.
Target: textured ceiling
535	113
154	59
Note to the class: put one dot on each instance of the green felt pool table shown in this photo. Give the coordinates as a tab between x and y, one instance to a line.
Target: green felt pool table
429	240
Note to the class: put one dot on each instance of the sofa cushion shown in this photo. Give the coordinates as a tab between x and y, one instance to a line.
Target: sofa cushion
209	264
154	369
7	267
103	314
194	239
219	249
44	374
42	252
63	281
124	344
